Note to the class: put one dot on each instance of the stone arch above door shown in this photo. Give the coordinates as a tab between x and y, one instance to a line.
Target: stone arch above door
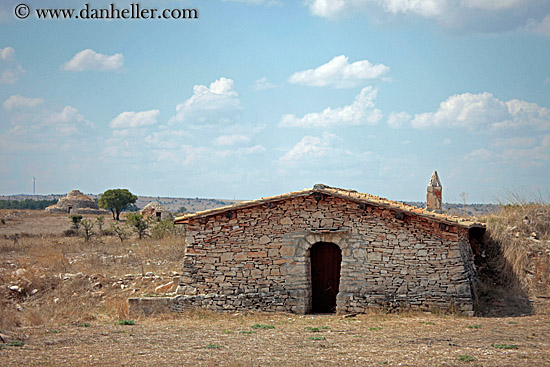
297	267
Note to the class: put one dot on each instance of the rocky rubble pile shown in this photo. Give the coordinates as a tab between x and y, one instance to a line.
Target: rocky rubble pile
30	289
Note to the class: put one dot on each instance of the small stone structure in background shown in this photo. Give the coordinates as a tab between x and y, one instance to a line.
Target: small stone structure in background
154	210
434	196
76	203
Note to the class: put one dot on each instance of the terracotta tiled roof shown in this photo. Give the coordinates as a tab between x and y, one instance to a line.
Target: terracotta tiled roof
350	195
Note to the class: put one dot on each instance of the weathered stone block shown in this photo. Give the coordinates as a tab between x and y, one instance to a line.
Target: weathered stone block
287	251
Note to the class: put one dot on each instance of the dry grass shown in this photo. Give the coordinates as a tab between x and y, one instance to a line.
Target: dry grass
46	278
521	233
202	338
64	284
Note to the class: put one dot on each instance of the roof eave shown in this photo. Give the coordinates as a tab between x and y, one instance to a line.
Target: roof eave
404	208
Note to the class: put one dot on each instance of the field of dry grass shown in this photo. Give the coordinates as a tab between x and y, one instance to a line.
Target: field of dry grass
212	339
61	300
516	257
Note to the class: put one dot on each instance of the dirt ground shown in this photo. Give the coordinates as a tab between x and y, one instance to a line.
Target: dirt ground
208	339
71	298
37	222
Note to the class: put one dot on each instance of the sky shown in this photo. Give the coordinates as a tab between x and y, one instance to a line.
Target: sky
256	98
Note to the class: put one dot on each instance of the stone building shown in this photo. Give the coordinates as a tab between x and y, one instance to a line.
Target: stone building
155	211
76	203
327	249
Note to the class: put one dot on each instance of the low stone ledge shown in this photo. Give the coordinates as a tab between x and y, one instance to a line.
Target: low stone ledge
147	306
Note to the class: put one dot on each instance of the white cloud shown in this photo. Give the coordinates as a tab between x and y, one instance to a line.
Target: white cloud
462	15
310	146
67	122
143	145
256	149
537	155
538	26
262	84
210	105
10	70
479	154
17	101
523	113
516	142
329	8
134	119
167	138
185	155
339	73
492	4
445	141
544	26
10	76
7	53
361	111
338	8
426	8
481	111
315	157
90	60
257	2
45	130
396	120
231	139
67	114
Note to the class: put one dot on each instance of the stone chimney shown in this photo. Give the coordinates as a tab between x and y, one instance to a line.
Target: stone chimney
434	197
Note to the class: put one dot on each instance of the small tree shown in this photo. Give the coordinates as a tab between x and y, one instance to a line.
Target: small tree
100	221
116	200
120	231
163	228
131	208
87	226
75	220
139	224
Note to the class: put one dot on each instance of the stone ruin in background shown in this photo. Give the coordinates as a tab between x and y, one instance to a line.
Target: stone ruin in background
76	203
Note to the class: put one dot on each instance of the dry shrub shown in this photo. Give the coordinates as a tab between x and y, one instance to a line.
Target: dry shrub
63	279
117	307
9	319
15	243
34	318
518	241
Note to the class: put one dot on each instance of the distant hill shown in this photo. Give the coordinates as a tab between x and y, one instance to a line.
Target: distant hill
173	204
473	210
197	204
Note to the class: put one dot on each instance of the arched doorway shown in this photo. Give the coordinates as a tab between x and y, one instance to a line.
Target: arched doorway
326	258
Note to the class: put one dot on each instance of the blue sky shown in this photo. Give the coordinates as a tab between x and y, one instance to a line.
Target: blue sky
263	97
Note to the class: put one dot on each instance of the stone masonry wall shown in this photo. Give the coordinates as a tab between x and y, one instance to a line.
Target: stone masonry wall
258	258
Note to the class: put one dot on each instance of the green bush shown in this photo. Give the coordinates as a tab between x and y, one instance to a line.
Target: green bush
138	223
75	220
126	322
163	228
16	343
466	358
87	226
262	326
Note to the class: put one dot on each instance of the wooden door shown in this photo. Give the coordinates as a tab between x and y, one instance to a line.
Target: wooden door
326	258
